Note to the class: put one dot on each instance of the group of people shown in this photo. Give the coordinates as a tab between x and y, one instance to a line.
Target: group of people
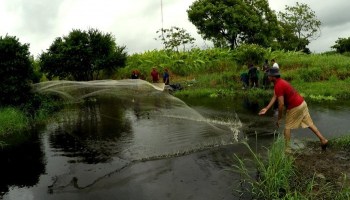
250	79
155	76
285	96
135	74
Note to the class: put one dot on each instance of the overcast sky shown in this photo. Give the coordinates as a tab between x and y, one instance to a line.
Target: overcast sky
134	22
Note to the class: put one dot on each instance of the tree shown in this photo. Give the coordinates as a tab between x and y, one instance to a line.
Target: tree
342	45
229	23
302	22
16	71
82	55
174	37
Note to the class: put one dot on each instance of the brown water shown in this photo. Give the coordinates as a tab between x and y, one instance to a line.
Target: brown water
127	140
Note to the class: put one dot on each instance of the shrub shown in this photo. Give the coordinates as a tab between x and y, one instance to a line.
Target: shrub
16	71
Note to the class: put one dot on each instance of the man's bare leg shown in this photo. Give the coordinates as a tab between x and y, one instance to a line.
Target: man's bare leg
314	129
287	140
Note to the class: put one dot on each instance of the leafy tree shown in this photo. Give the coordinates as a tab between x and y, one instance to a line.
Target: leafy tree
342	45
174	37
16	71
302	22
230	22
250	54
82	56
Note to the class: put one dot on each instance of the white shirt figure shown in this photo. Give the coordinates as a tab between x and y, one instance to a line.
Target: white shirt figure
274	65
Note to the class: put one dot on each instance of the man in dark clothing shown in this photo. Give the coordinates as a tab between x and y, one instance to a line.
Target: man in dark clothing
253	76
265	68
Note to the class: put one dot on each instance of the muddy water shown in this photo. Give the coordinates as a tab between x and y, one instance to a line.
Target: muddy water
145	145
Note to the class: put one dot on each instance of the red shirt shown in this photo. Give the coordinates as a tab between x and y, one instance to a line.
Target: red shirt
292	98
155	75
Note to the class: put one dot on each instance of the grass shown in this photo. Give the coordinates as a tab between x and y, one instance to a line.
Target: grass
12	120
277	177
271	180
341	142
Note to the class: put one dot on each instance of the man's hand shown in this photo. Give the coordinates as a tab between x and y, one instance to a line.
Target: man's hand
263	111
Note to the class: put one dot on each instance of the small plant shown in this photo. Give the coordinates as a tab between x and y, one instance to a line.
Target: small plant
272	178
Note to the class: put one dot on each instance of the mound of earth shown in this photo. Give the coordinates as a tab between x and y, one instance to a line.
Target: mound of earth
330	166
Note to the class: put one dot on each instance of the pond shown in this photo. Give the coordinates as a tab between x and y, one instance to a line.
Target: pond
128	140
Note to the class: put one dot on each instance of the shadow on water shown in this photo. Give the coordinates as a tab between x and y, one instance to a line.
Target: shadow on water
129	140
22	164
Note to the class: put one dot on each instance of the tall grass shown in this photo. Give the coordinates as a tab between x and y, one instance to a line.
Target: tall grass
272	178
276	177
12	120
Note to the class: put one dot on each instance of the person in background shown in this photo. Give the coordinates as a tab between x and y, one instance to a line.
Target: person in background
297	114
274	64
155	75
253	76
166	76
265	68
134	74
245	80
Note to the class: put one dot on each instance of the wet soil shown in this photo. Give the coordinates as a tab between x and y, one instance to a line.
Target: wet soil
330	166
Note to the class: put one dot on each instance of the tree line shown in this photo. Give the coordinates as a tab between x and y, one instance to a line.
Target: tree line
92	54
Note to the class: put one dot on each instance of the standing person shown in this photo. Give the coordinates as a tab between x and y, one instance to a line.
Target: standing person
297	114
265	69
244	79
274	64
253	76
166	76
134	74
155	75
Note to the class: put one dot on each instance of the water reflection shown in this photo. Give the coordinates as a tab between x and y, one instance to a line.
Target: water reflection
22	164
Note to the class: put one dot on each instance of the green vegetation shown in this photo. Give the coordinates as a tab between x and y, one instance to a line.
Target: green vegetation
216	72
174	37
342	45
234	22
18	120
278	178
300	24
82	56
12	120
16	71
341	142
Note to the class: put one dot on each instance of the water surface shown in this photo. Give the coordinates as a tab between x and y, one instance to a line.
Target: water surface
128	140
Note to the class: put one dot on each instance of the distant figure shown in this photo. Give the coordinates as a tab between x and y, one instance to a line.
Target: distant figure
155	75
245	80
265	68
166	76
253	76
134	74
274	64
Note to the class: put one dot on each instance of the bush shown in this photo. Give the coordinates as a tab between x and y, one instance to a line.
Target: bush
12	120
16	71
250	53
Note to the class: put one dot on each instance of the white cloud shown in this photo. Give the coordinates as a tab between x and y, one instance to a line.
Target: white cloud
134	22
